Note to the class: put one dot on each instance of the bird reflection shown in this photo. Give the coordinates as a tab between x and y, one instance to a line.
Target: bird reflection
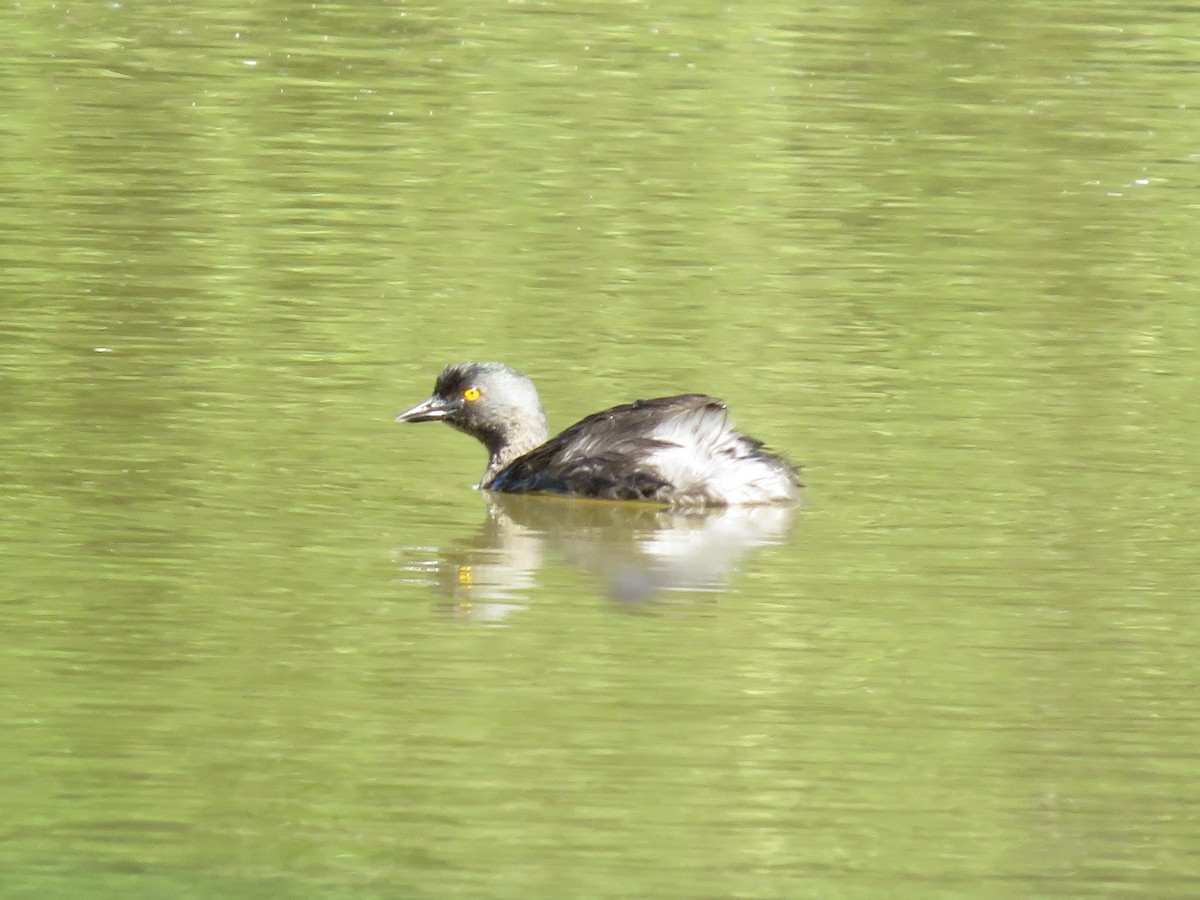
638	551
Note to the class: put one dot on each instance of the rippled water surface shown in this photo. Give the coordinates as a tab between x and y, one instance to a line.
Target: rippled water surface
259	641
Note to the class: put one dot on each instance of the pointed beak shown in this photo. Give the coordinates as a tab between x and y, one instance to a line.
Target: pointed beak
428	411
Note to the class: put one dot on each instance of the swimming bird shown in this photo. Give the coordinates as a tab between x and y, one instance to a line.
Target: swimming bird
677	451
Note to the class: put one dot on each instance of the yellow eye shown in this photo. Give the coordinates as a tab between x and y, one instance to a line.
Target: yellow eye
471	394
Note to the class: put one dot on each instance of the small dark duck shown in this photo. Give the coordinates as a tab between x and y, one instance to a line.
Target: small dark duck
677	451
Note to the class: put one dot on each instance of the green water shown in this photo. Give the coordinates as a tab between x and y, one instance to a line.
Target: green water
259	641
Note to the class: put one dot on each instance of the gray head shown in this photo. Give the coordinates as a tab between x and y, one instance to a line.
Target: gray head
491	402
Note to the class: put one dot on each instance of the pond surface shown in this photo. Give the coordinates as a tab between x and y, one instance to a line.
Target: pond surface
259	641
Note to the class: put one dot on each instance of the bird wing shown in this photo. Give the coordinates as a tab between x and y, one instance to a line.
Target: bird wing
613	454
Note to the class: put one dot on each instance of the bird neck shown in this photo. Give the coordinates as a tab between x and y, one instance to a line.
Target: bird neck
506	445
